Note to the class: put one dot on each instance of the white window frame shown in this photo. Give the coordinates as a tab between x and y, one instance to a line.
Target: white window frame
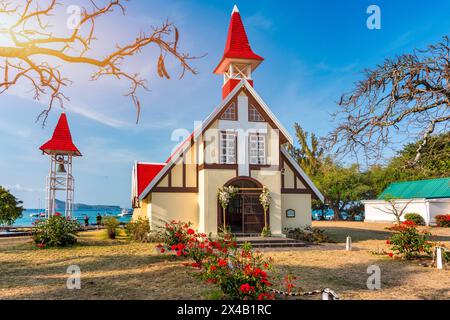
228	147
257	156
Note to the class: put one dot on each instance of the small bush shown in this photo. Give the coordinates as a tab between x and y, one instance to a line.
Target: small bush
308	234
139	230
176	233
443	220
56	231
408	242
111	225
416	218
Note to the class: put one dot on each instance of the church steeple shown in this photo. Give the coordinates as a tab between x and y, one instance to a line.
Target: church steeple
239	60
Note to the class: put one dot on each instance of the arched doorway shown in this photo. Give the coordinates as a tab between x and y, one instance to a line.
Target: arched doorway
244	213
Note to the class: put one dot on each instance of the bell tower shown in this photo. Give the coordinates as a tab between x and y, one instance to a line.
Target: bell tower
239	61
61	150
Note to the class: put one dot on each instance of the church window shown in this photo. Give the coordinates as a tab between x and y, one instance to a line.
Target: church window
230	113
228	147
257	148
254	115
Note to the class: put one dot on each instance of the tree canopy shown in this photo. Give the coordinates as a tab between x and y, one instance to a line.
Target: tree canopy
344	186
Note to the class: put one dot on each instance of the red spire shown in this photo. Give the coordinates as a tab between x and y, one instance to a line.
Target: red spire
61	141
237	46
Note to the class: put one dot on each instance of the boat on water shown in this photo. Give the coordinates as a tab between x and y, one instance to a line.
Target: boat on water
37	215
125	213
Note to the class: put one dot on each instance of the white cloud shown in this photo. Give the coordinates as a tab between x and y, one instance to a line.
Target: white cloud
19	188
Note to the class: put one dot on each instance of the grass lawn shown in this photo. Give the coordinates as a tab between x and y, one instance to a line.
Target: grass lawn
126	270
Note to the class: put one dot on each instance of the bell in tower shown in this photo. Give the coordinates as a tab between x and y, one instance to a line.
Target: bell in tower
239	60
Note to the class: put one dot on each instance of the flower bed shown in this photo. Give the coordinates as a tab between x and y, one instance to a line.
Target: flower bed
443	220
240	273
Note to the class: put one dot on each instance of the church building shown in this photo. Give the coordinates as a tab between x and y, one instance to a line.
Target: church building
241	144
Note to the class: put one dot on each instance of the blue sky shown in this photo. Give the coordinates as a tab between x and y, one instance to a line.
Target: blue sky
314	51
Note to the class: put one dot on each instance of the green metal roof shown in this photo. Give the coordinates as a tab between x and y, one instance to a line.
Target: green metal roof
429	189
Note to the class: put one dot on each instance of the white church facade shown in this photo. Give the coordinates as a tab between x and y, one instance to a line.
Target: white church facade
241	144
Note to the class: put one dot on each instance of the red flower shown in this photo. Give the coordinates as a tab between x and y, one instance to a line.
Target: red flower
388	242
174	247
162	250
57	214
246	288
390	254
40	245
265	296
179	253
212	268
267	283
190	231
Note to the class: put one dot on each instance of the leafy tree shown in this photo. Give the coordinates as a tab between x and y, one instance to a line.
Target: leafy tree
310	153
343	188
434	162
10	207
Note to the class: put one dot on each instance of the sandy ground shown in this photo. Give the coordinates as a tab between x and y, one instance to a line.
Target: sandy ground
125	270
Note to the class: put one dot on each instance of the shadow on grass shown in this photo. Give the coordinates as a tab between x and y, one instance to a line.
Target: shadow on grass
339	234
350	280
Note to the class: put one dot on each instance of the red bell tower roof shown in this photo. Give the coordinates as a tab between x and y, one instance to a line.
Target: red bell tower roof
237	46
61	141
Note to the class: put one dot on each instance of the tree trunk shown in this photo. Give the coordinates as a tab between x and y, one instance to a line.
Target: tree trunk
337	213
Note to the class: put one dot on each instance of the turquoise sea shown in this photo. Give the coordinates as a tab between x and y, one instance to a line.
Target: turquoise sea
329	215
27	220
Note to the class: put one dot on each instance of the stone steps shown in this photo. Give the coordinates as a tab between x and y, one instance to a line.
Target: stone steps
270	242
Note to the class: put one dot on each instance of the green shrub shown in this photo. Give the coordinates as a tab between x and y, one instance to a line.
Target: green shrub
56	231
408	241
443	220
416	218
111	225
139	230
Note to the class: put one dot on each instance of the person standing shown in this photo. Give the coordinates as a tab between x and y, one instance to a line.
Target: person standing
86	221
99	220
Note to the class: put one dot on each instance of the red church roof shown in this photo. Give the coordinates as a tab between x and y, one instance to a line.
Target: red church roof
61	141
237	46
145	174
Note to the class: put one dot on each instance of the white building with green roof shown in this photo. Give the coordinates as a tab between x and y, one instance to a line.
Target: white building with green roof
428	198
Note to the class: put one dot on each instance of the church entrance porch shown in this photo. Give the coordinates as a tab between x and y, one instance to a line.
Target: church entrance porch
244	214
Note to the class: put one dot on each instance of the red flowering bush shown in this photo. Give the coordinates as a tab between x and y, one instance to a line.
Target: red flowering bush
408	241
175	235
443	220
239	273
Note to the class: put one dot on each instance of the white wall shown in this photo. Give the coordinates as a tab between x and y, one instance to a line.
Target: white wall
375	210
437	207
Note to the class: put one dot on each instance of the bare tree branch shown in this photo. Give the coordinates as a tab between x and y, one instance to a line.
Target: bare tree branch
409	94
